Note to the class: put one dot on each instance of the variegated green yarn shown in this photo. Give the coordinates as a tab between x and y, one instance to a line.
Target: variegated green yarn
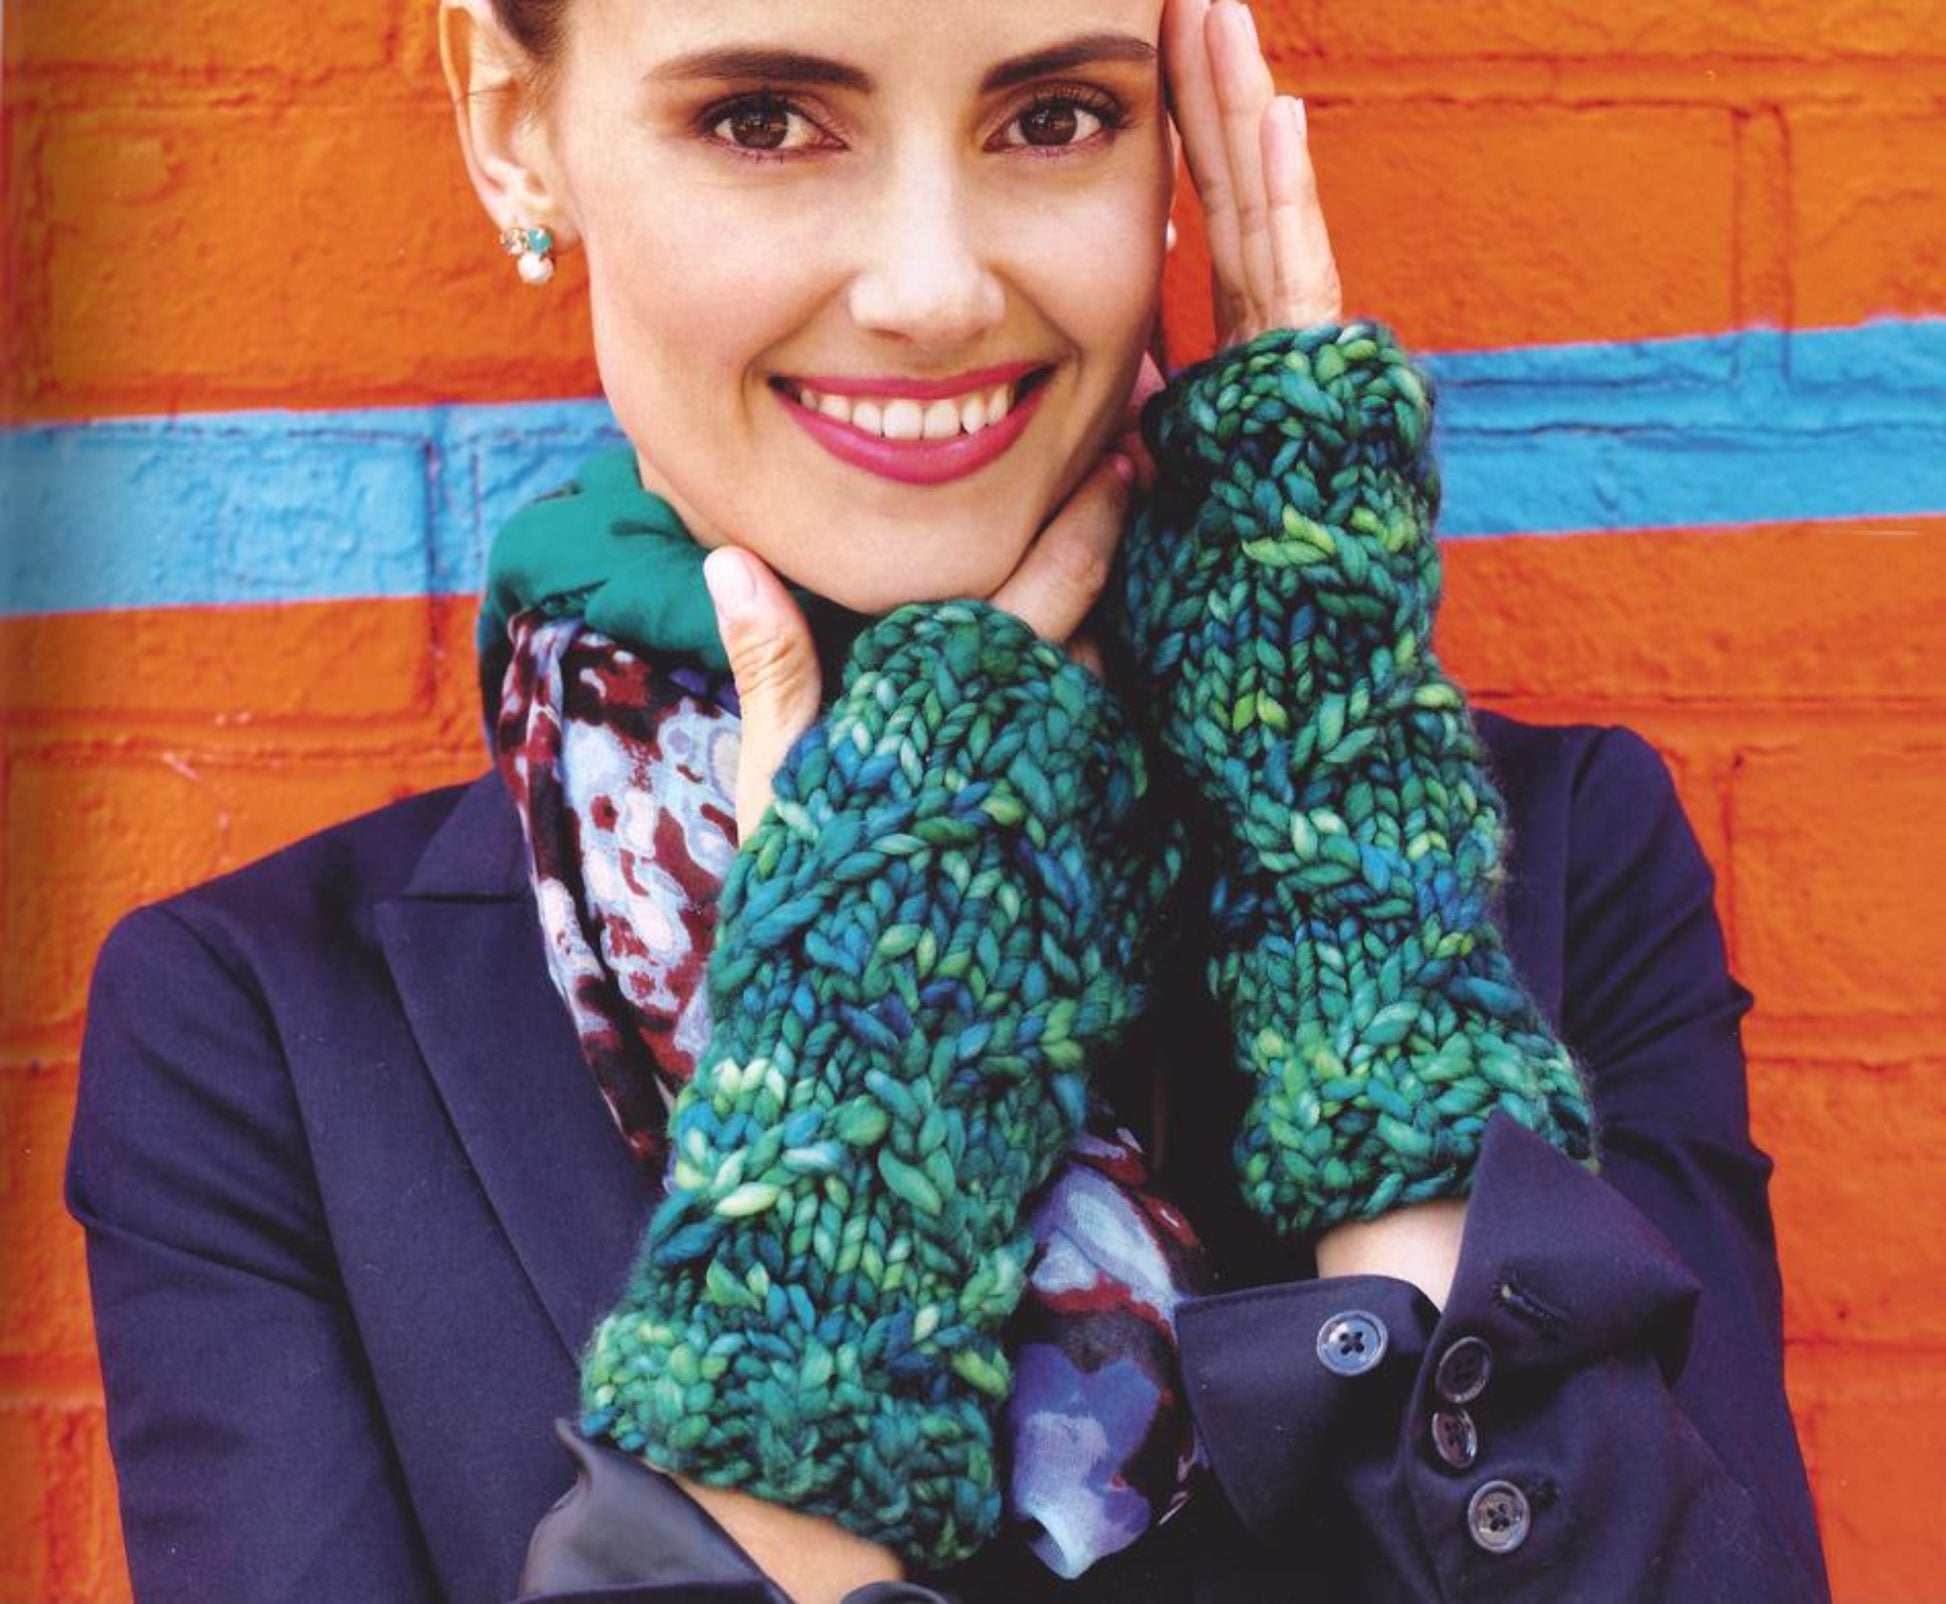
1280	595
935	932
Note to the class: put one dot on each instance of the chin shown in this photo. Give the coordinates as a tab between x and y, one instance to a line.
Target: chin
887	572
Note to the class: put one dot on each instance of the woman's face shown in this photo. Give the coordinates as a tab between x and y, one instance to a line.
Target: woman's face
811	225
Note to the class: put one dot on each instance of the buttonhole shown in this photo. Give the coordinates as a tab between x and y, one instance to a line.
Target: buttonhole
1534	1310
1541	1491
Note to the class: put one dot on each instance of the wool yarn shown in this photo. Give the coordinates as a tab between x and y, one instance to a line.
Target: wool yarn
937	929
1279	595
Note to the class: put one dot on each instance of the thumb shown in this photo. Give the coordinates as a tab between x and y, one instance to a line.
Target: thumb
775	666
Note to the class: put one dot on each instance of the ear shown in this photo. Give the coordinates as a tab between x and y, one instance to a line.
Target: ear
502	134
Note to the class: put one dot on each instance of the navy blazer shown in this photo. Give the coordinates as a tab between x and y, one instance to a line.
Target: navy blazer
353	1205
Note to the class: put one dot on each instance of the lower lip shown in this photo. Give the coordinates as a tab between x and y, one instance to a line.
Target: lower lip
916	462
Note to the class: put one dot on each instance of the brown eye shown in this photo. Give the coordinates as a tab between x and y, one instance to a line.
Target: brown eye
1063	120
760	125
1053	122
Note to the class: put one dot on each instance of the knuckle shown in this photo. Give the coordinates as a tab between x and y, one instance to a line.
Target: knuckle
765	665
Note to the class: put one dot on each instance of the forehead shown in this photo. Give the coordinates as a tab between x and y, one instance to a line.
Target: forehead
884	38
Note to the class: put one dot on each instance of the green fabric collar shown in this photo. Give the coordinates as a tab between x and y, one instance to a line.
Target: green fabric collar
618	557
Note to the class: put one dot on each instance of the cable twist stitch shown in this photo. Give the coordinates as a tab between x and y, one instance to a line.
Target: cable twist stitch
1279	594
934	933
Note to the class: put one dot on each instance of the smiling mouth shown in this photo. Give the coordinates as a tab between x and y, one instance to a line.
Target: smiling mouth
905	420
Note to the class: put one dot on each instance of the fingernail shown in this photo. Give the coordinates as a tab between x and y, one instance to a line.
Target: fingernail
729	581
1300	124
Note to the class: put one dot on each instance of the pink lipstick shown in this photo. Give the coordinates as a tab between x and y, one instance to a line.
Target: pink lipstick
919	462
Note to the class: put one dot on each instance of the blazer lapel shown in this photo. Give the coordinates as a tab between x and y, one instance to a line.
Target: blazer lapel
464	945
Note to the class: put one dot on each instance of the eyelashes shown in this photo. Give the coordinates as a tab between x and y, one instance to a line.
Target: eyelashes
766	126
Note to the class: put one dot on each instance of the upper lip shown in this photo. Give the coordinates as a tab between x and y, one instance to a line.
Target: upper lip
917	389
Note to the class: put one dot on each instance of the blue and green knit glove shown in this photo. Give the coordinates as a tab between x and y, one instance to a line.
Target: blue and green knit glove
929	940
1279	594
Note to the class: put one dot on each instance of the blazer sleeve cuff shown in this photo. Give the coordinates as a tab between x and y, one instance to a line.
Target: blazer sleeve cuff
1294	1381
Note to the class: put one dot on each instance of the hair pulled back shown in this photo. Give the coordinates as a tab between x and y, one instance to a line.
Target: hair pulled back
535	25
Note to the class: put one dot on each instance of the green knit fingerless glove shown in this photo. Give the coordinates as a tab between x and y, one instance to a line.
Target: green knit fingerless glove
931	937
1279	592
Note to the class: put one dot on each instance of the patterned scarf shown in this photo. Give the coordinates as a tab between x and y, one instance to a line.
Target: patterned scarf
622	760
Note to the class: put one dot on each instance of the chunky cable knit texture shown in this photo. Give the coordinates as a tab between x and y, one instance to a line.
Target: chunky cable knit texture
924	946
1280	593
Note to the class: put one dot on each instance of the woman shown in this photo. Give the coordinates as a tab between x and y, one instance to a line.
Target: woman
871	294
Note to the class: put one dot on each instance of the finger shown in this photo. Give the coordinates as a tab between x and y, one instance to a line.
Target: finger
1148	380
1244	91
1086	651
1308	290
775	665
1065	569
1185	56
1129	441
1136	449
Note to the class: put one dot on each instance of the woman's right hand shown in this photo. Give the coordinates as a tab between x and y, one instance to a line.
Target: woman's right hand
775	664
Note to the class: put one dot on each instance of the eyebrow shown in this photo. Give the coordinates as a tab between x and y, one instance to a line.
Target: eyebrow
747	63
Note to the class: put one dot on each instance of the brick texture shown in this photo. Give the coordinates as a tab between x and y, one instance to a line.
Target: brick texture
213	207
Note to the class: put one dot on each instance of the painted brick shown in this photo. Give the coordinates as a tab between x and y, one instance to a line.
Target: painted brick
366	662
1838	858
1869	1426
1643	29
453	721
93	832
1849	1203
302	44
60	1541
317	256
1868	229
1491	224
44	1294
23	1503
154	512
1807	614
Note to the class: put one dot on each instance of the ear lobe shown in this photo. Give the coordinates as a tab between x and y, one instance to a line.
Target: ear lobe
505	141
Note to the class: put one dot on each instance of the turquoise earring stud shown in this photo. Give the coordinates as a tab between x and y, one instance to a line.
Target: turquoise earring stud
532	250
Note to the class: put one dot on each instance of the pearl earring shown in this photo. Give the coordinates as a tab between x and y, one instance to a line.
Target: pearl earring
533	250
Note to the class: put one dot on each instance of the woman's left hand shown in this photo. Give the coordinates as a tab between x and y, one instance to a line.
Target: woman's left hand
1249	155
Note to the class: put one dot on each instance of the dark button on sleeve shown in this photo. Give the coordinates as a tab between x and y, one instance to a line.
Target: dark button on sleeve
1497	1517
1455	1438
1352	1342
1464	1369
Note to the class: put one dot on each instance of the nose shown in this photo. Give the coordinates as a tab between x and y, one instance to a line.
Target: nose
925	275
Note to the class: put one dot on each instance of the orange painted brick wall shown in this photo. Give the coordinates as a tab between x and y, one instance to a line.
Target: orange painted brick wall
218	206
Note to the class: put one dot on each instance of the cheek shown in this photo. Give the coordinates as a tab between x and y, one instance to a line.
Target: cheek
1096	264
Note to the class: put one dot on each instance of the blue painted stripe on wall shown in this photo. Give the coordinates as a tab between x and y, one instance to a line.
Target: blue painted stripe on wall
1753	427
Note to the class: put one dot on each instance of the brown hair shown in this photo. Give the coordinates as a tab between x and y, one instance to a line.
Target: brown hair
535	24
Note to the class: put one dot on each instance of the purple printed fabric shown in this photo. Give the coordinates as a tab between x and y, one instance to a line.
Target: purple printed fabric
622	766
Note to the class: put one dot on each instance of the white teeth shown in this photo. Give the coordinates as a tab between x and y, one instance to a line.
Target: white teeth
902	418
